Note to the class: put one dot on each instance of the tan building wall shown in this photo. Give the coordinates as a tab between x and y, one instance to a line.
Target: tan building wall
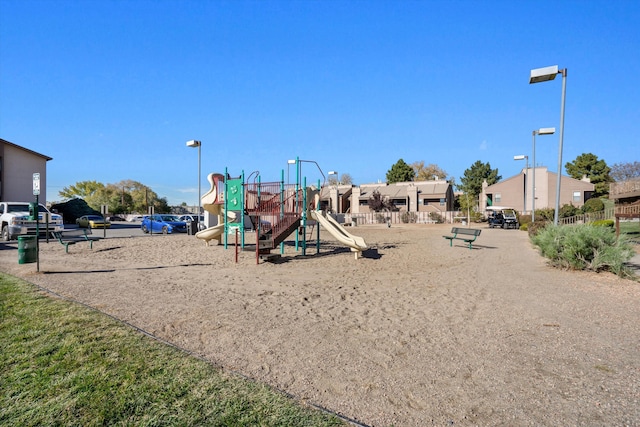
17	166
419	196
510	192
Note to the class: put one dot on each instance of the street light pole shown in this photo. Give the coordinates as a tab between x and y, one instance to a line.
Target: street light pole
523	157
337	207
543	75
290	162
541	131
193	143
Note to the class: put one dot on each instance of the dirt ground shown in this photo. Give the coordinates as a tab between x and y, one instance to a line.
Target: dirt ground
415	333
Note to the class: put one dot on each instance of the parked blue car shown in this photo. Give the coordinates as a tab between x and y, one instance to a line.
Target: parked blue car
164	224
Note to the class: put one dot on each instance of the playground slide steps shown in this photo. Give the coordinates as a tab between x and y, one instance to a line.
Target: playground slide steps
281	231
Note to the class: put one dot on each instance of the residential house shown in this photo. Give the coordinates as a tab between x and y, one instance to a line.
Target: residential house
511	191
17	166
416	196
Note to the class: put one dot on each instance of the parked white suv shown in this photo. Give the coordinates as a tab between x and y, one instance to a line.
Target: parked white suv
14	220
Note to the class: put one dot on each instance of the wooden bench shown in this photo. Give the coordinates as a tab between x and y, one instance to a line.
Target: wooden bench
468	235
71	237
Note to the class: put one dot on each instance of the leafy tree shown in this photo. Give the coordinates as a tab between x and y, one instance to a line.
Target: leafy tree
125	196
471	181
469	203
593	205
400	172
81	190
345	179
377	203
568	210
595	169
73	209
428	172
625	171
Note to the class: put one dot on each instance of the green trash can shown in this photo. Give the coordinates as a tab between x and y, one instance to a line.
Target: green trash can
26	249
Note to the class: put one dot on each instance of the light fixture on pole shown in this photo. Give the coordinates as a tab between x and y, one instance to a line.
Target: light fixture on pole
193	143
289	162
524	157
337	209
541	131
542	75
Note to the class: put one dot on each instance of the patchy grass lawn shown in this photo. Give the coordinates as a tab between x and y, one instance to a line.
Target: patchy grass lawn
64	364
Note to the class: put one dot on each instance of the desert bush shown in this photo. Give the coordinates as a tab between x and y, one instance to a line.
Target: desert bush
603	223
382	218
545	214
535	227
585	247
567	211
408	217
593	205
436	217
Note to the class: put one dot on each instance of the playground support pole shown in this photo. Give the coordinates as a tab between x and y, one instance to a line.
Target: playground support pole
317	207
242	203
282	207
304	217
297	195
226	206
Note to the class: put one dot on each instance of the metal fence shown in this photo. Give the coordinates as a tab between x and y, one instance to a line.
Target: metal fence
587	217
403	217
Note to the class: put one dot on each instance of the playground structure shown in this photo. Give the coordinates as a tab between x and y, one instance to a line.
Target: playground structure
275	210
211	203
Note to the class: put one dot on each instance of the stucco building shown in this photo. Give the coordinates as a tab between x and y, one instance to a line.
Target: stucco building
511	191
17	166
417	196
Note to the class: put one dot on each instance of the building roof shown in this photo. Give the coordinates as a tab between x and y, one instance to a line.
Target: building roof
47	158
587	184
399	190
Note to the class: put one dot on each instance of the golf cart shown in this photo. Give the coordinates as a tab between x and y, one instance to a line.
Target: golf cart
502	217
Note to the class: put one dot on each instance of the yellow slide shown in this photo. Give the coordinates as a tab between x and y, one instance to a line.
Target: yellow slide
209	204
356	243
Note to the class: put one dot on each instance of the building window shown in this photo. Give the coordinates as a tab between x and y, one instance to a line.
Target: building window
576	196
442	202
497	197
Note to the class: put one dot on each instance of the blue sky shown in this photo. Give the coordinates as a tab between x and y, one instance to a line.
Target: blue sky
112	90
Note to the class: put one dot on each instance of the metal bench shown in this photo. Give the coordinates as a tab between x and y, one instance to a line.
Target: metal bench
71	237
468	235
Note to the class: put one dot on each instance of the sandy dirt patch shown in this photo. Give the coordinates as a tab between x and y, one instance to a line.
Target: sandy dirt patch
415	333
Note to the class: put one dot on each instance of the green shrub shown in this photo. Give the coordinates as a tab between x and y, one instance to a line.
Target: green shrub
545	214
585	247
408	217
524	219
593	205
382	218
535	227
603	223
524	226
568	210
73	209
436	217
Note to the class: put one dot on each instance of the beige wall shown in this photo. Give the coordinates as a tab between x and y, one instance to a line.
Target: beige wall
18	167
511	190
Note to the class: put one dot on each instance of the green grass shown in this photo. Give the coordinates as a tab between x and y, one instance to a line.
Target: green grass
631	230
63	364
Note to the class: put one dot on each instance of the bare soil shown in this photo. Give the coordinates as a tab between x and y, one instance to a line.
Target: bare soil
415	333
